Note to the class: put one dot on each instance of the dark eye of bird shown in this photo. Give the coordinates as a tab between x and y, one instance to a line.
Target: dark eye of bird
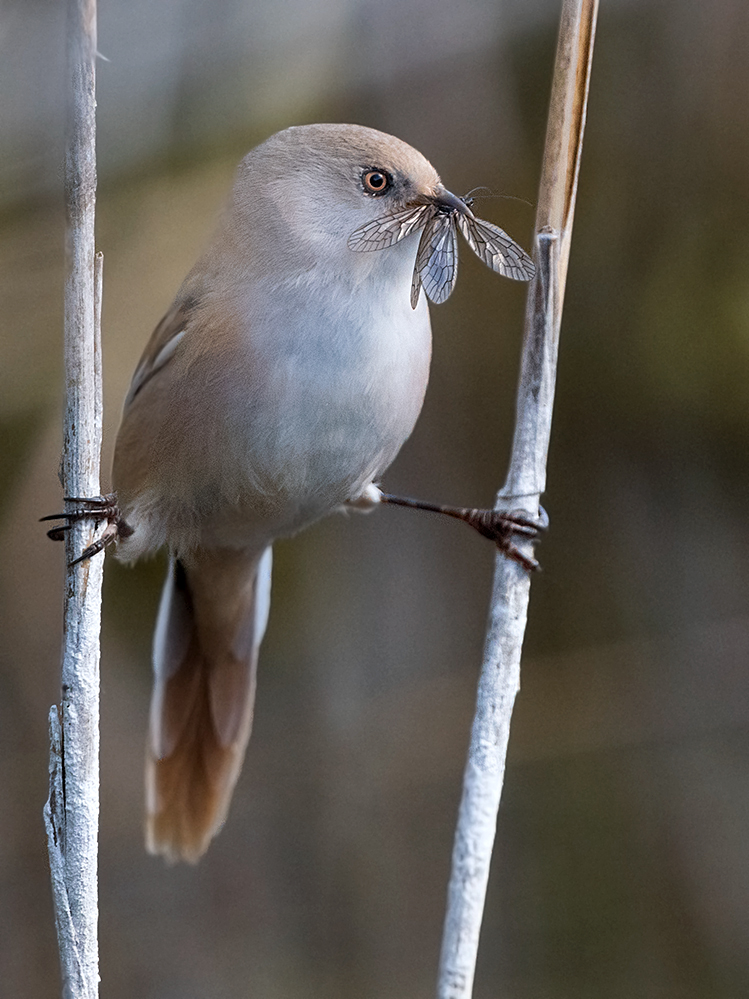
376	181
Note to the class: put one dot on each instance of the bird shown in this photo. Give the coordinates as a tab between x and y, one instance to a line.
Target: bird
277	389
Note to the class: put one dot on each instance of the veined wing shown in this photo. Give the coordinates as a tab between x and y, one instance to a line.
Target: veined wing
415	288
437	259
492	245
389	229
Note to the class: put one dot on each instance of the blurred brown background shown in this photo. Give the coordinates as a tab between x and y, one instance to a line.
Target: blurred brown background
622	860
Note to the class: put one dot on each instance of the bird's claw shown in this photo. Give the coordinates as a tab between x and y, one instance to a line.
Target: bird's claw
500	526
98	509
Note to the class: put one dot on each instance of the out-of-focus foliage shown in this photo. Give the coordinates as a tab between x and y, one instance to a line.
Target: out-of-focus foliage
622	865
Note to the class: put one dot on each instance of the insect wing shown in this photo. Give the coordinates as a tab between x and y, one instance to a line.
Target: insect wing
415	288
492	245
389	229
437	258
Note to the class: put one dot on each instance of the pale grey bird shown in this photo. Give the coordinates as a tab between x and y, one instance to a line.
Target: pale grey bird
278	388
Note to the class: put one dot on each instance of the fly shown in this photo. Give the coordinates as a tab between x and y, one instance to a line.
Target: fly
436	267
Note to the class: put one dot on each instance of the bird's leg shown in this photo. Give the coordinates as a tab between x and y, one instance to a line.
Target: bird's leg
496	525
98	509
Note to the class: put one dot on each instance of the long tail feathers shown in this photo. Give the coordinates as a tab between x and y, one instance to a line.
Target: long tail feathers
211	620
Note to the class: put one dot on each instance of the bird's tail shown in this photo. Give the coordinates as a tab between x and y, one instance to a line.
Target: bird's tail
211	620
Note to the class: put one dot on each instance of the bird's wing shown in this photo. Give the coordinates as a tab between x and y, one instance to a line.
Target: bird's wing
164	341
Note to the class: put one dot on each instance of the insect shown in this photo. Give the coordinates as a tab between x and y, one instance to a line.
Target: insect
436	267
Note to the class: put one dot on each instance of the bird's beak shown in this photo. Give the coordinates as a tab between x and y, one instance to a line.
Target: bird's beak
445	201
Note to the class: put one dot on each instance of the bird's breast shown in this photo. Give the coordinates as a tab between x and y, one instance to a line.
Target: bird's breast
328	389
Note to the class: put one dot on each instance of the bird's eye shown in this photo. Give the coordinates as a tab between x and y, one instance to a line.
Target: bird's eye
376	181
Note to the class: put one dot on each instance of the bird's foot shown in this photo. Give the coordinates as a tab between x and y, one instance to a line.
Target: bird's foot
98	509
499	526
